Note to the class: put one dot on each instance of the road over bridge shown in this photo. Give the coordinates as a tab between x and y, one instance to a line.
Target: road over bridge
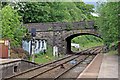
60	34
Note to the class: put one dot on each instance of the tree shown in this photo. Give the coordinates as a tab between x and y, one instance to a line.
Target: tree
54	11
86	9
108	21
12	28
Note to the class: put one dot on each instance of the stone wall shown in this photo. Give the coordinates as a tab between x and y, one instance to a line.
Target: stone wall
15	67
60	26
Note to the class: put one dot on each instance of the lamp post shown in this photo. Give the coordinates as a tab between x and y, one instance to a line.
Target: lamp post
33	34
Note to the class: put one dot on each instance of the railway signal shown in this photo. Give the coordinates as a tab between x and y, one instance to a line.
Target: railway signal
33	34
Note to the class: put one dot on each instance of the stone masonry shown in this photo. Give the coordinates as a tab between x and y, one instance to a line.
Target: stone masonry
60	34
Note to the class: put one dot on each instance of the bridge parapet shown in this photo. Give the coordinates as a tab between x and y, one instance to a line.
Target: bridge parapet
60	26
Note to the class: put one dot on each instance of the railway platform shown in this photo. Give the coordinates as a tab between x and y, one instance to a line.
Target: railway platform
104	68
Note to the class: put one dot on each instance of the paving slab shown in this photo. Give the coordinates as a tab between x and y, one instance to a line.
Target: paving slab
92	70
109	67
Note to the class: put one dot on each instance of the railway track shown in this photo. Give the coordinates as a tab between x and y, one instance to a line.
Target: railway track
59	68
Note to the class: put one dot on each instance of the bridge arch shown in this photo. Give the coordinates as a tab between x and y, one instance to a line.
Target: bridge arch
70	37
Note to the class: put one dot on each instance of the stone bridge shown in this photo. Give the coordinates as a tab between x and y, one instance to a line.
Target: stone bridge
60	34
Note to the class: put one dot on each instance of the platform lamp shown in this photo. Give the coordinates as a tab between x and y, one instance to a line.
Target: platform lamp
33	34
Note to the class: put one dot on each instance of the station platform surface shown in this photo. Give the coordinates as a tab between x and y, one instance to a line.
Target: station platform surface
2	61
109	67
107	70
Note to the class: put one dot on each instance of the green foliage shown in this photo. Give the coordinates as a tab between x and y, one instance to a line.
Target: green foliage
50	28
54	11
87	41
113	52
68	27
11	26
86	9
45	58
108	21
0	23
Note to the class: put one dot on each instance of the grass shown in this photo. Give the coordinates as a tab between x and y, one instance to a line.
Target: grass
113	52
41	58
86	46
91	44
86	41
44	58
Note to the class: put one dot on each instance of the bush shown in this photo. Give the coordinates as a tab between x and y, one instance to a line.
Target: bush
11	26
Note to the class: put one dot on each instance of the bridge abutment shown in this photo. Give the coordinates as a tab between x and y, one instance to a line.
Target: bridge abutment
59	42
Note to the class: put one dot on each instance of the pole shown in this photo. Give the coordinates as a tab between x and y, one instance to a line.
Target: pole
33	49
9	49
33	34
119	48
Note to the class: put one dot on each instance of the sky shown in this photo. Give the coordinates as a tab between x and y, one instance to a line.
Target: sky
90	2
93	3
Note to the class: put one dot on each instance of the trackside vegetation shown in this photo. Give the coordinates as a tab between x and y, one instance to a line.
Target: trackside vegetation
15	14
